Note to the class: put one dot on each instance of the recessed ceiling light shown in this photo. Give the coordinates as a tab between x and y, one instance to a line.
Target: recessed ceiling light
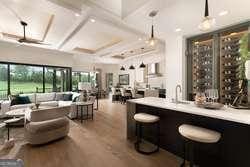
77	14
177	29
223	13
92	20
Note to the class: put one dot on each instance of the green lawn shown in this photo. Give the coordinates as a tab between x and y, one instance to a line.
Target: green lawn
24	87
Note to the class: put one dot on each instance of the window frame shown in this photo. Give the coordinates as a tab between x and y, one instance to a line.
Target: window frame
68	74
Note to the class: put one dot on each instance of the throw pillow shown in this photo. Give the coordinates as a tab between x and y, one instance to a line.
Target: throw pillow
75	98
24	100
59	96
67	97
14	99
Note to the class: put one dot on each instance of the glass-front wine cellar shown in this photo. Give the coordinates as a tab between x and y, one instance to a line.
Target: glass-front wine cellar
218	60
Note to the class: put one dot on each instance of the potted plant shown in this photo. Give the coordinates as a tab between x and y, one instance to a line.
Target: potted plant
244	61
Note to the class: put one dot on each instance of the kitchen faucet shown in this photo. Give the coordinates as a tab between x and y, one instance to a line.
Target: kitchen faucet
176	93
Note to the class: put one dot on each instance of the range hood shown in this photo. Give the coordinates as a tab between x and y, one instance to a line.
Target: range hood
153	70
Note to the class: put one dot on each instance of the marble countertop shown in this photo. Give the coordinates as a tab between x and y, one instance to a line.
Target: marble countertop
225	113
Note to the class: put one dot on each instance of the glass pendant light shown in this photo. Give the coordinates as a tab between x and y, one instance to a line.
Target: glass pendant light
207	22
152	40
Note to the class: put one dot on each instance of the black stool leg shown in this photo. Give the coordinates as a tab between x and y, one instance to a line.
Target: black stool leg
184	158
158	136
139	140
191	148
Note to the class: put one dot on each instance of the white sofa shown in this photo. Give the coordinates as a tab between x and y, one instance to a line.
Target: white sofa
45	99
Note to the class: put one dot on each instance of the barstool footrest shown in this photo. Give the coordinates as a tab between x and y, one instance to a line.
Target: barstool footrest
137	148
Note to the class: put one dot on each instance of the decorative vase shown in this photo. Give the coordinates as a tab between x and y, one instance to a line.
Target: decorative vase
84	95
200	98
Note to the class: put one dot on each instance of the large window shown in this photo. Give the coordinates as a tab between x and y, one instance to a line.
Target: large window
3	81
23	78
49	79
80	77
75	80
84	76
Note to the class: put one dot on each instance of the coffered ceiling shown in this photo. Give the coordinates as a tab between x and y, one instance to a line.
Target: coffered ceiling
113	29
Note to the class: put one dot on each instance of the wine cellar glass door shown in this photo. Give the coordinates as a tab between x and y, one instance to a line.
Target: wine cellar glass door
231	50
217	60
203	64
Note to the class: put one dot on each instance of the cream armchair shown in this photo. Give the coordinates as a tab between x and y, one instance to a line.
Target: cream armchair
46	124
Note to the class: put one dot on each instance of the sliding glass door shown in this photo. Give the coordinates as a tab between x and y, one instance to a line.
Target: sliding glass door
49	79
26	79
3	81
61	82
75	80
23	78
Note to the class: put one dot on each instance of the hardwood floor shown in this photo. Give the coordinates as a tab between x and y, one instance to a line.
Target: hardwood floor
98	143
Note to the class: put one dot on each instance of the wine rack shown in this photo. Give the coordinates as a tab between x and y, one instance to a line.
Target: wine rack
202	52
229	66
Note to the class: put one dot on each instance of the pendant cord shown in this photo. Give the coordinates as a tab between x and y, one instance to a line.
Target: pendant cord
152	28
206	9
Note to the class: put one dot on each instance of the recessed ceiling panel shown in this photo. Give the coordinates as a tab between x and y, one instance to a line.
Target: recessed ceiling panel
96	37
37	20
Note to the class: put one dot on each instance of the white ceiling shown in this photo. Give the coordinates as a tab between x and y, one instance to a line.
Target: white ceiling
187	14
118	23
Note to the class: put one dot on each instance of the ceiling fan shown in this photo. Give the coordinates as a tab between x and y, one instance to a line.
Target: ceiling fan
24	25
26	40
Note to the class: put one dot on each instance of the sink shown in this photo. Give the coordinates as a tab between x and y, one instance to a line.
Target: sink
183	102
180	102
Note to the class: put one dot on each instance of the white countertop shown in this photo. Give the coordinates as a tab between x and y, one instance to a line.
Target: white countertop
226	113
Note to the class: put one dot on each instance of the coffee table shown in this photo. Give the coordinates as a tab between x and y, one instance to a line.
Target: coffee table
17	112
81	105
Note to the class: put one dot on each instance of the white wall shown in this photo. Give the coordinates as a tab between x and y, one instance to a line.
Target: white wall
82	63
10	52
157	57
175	65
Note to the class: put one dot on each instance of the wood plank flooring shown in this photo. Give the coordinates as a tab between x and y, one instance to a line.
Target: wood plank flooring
98	143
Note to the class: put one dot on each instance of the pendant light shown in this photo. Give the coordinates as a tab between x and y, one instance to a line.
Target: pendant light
207	22
142	64
152	40
131	67
122	68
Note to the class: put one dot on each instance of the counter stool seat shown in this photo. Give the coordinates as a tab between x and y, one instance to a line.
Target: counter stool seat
146	118
199	134
194	134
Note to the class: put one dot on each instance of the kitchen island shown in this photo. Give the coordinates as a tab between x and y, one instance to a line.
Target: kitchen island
233	150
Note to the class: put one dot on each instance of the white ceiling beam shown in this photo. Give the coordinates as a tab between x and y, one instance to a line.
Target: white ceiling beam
73	5
74	30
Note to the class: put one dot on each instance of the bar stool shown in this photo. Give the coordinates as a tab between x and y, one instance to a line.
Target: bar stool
194	134
146	119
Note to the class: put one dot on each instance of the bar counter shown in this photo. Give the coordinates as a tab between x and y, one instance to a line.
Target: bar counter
233	150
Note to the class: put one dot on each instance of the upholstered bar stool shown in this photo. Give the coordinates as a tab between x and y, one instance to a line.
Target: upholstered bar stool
194	134
146	119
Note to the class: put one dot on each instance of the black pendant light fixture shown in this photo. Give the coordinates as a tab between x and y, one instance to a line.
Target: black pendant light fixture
142	64
131	67
207	22
152	40
122	68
